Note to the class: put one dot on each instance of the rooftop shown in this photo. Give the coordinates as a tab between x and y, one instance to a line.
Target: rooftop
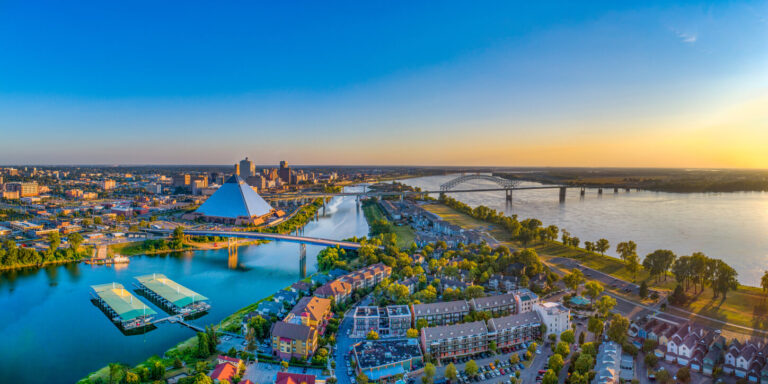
235	199
454	331
370	354
512	321
122	302
170	290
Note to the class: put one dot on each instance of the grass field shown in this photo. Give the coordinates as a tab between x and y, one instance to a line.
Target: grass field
747	306
405	234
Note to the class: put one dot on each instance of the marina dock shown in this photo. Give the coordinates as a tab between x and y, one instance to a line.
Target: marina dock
123	308
172	296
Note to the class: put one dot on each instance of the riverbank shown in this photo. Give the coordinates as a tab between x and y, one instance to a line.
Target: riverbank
41	265
746	306
405	234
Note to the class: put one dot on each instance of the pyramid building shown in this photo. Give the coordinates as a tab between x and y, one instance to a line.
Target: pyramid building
235	202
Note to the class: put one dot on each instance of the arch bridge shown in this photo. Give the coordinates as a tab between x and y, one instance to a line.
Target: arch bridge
506	184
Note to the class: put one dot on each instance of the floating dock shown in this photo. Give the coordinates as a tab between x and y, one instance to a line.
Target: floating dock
171	295
123	308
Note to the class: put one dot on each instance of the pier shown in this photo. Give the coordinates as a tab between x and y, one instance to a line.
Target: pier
123	308
171	296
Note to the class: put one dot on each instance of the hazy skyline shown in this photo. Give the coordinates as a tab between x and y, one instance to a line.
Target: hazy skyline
395	83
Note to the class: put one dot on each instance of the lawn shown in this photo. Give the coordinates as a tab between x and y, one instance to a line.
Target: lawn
405	234
746	306
465	221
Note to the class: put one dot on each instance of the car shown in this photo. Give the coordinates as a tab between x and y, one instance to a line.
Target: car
538	351
541	371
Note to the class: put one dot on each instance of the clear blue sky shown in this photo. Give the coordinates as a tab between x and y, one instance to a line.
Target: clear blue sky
493	83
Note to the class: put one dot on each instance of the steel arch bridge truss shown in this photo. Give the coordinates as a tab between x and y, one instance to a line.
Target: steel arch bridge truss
503	183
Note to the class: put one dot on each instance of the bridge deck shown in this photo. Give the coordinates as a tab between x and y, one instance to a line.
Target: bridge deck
269	236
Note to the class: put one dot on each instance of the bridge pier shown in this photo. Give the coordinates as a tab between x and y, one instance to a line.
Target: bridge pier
583	191
303	260
508	196
599	191
402	196
562	195
627	189
615	190
232	253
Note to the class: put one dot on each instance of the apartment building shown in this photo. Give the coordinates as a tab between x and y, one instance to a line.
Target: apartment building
512	330
442	313
390	321
455	340
497	304
367	277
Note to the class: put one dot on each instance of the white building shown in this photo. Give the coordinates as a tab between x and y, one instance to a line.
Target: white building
525	300
555	316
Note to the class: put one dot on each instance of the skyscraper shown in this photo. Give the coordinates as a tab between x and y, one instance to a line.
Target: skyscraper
247	169
284	172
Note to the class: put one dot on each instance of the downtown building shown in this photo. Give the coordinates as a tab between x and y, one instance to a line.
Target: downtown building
234	203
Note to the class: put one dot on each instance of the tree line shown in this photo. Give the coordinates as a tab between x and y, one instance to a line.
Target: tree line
14	256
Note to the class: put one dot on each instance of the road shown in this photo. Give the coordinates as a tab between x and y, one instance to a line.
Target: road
344	343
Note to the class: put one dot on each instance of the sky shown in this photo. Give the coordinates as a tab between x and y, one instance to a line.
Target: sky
507	83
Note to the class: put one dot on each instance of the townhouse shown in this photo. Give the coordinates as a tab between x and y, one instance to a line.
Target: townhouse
497	305
512	330
367	277
338	289
442	313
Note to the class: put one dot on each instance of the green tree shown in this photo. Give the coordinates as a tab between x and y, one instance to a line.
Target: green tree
683	375
132	378
605	304
372	335
514	359
584	363
593	289
562	349
421	323
429	371
617	329
581	338
658	262
550	377
764	282
471	368
651	360
203	345
450	372
626	249
474	291
362	378
75	239
412	333
568	336
158	370
54	240
595	325
116	373
556	362
602	246
643	292
573	280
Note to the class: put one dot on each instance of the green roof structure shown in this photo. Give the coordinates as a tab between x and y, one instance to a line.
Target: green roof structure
170	290
122	302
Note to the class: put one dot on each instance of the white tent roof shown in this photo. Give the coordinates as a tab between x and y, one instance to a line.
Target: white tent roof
235	199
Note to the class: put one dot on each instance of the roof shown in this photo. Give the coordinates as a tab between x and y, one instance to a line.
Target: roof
121	301
455	331
291	331
314	306
483	303
376	353
224	371
333	288
512	321
440	307
294	378
235	199
170	290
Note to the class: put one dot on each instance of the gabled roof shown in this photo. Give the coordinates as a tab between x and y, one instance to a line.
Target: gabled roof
235	199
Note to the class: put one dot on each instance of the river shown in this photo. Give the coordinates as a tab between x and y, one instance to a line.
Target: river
50	332
728	226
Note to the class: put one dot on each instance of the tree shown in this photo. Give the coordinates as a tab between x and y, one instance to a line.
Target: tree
595	325
573	280
116	373
651	360
658	262
421	323
593	289
54	240
158	370
605	304
562	349
617	330
372	335
203	347
75	239
556	362
412	333
683	375
633	264
724	278
429	370
602	246
581	338
568	336
362	378
132	378
471	368
626	248
492	347
474	291
514	359
643	292
450	372
662	376
550	377
764	282
584	363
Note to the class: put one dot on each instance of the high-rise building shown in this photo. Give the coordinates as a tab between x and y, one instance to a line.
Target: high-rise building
24	189
108	184
182	180
237	169
247	169
284	172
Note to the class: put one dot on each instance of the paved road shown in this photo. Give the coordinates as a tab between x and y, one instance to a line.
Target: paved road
344	344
